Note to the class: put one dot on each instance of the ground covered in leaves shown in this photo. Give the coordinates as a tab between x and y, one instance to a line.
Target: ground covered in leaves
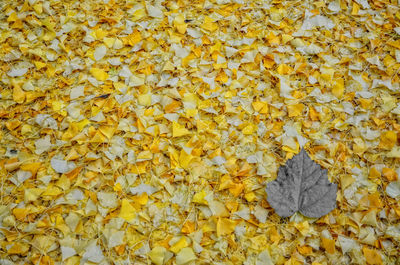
138	132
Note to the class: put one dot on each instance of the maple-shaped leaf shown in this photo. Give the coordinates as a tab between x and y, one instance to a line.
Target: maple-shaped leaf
302	185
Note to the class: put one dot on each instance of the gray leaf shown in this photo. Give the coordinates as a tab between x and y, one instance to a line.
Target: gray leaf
302	185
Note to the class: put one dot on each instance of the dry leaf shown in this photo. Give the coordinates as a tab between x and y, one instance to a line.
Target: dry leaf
302	185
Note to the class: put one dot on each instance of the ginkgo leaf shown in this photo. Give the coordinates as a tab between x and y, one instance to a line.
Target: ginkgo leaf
302	185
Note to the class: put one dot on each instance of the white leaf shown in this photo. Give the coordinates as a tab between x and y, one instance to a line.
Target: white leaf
114	237
154	11
316	21
249	56
43	145
76	92
115	61
397	52
20	177
285	88
136	80
140	189
75	195
396	110
194	33
393	189
218	160
67	252
321	98
334	6
107	199
230	51
61	166
264	258
125	72
74	110
14	72
99	117
93	253
347	244
51	56
180	52
244	212
363	3
100	52
387	83
261	214
369	134
310	49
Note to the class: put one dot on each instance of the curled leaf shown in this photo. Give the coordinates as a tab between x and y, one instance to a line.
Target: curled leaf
302	185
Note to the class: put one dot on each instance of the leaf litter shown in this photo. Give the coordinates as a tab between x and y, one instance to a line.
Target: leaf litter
138	132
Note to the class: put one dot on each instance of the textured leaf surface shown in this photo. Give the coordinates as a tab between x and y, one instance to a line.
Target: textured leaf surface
302	185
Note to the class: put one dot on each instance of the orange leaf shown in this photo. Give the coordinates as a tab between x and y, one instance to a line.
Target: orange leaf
372	256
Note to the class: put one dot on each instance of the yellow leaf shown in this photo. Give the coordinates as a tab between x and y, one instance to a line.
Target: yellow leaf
372	256
395	152
355	10
250	197
209	24
18	249
52	191
286	38
32	194
303	227
225	182
345	181
139	168
12	17
184	159
99	74
395	44
117	187
199	198
144	99
365	103
181	243
225	226
260	107
127	211
31	167
374	173
389	173
179	23
329	245
237	188
304	250
108	131
109	42
388	140
20	213
338	88
179	130
18	94
98	138
188	227
133	38
284	69
249	129
39	65
138	14
185	256
295	110
99	33
157	255
144	155
142	199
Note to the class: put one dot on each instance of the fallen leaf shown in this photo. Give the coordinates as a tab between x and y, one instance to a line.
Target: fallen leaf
302	186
